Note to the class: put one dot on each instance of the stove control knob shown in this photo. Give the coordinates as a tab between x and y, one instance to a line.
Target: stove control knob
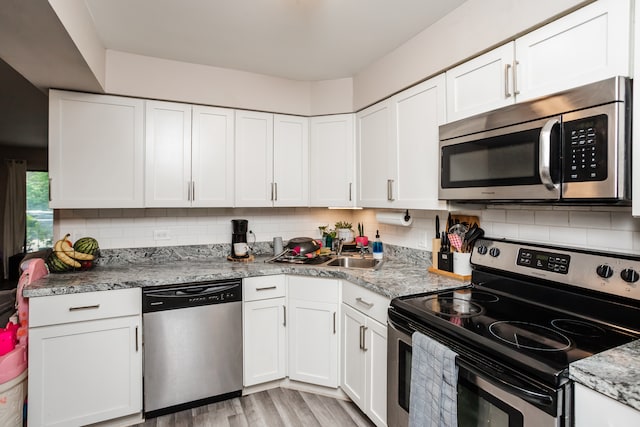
482	250
629	275
494	252
605	271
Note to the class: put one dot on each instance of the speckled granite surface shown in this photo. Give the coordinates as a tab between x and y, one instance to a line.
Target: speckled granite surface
399	275
614	373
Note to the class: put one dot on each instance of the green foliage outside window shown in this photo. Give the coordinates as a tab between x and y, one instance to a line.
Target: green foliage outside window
39	216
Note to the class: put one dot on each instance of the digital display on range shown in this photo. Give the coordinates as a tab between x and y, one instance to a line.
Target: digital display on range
548	261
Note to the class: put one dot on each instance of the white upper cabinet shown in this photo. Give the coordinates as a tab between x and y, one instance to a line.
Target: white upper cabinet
416	114
376	154
332	161
398	157
588	45
212	142
272	160
480	84
189	155
290	160
95	151
254	158
168	154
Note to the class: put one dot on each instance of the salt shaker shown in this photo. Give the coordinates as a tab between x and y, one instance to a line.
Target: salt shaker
277	245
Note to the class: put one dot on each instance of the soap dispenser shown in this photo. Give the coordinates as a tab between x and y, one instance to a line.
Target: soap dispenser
377	247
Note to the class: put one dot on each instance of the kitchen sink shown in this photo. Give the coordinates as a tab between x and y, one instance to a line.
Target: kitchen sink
354	262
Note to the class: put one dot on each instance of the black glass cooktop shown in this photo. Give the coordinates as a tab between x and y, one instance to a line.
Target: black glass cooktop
536	335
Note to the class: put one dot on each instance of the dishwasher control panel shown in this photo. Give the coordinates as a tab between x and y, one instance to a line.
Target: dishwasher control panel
159	298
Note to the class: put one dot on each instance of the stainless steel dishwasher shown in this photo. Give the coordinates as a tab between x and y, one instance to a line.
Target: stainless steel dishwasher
192	341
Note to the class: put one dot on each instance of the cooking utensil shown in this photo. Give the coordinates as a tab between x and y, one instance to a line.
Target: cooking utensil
472	235
437	227
303	245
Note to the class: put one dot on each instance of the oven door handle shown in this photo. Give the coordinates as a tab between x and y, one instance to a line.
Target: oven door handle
544	154
531	396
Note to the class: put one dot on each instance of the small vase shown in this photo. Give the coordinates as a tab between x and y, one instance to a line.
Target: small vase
344	234
362	241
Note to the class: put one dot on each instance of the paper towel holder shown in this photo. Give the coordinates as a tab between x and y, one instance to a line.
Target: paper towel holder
407	217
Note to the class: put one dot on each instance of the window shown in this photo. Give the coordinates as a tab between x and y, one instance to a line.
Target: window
39	216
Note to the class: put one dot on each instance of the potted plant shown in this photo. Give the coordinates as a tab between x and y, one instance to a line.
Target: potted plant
344	231
327	236
361	239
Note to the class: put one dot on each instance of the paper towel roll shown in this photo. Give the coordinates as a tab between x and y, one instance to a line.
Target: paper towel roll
394	218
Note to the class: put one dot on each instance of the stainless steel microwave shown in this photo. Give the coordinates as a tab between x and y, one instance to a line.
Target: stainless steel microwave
572	146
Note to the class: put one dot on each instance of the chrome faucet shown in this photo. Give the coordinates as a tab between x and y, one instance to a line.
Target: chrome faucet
339	247
363	250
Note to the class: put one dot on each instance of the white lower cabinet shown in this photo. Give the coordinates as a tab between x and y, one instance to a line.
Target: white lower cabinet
364	351
313	330
85	358
593	409
264	329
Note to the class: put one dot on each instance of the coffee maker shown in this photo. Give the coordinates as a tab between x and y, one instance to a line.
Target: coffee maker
239	235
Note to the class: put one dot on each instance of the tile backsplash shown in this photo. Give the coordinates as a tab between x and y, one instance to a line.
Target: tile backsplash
598	228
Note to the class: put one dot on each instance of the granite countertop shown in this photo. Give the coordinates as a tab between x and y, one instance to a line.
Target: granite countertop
395	277
614	373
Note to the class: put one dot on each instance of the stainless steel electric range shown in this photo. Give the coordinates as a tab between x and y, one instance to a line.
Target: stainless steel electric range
529	312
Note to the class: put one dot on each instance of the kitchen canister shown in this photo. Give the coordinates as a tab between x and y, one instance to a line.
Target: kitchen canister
277	245
462	263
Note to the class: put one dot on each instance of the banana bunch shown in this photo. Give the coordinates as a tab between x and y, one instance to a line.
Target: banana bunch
68	255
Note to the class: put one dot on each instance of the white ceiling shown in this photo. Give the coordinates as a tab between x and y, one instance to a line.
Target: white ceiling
295	39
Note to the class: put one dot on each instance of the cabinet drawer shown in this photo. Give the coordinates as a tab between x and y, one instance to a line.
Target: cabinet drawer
257	288
53	310
368	302
314	289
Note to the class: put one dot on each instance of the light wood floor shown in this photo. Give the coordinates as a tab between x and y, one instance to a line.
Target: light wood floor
278	407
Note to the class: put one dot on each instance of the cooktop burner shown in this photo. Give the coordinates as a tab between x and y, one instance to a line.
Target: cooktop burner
578	327
452	307
529	336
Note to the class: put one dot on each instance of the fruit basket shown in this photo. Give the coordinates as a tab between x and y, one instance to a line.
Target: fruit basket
79	256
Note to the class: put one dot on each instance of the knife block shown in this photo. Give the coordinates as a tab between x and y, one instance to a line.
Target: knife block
445	261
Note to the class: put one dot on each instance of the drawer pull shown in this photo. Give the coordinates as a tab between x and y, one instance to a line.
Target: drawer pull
85	307
334	323
284	322
136	339
363	302
266	288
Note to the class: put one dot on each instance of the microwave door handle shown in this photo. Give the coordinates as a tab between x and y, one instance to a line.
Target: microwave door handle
544	154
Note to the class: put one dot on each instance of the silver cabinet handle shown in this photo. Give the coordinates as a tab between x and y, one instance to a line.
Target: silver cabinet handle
350	192
275	185
361	337
136	339
284	322
189	191
544	154
266	288
272	192
193	191
49	189
364	338
507	92
515	78
365	303
334	323
85	307
390	190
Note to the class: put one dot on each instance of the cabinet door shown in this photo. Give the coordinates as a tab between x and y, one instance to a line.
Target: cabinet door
332	161
376	149
212	143
375	345
85	372
264	341
313	342
290	160
417	114
353	356
168	154
480	84
254	159
95	151
588	45
593	409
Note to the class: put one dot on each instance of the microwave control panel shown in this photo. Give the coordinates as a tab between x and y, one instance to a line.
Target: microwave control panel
585	149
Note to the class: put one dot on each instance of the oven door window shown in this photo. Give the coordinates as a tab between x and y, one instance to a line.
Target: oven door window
478	408
494	161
